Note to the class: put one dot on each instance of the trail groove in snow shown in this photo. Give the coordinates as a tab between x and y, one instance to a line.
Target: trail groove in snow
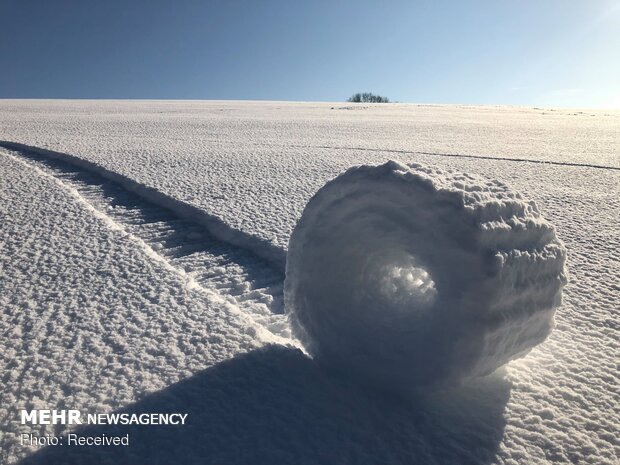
88	320
459	155
236	275
219	229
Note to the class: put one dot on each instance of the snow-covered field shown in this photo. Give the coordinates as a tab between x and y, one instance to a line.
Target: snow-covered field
142	253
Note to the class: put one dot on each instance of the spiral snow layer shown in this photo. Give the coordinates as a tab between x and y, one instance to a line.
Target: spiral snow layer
409	276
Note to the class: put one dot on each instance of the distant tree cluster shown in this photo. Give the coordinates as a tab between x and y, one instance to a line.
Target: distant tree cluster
367	97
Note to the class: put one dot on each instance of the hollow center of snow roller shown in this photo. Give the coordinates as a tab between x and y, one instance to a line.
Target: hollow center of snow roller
402	283
408	284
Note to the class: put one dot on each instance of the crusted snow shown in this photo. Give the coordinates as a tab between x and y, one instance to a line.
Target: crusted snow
90	318
254	166
280	150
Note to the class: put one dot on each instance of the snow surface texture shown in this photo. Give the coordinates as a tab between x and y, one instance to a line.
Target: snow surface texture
91	318
97	317
254	166
410	276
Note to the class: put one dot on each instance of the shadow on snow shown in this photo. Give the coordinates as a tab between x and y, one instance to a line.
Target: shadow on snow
276	406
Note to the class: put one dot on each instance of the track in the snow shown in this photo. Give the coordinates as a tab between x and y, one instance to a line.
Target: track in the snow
252	283
463	155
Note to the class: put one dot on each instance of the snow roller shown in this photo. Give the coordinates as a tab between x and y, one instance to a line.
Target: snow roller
407	276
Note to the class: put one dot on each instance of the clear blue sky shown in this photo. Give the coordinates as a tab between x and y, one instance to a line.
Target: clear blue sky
538	52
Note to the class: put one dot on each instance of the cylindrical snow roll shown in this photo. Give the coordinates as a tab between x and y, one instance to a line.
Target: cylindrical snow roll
408	276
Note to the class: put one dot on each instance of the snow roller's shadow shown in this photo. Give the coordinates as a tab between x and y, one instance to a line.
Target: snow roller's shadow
275	406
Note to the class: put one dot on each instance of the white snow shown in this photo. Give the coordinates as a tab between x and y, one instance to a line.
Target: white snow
410	276
89	319
136	325
254	165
